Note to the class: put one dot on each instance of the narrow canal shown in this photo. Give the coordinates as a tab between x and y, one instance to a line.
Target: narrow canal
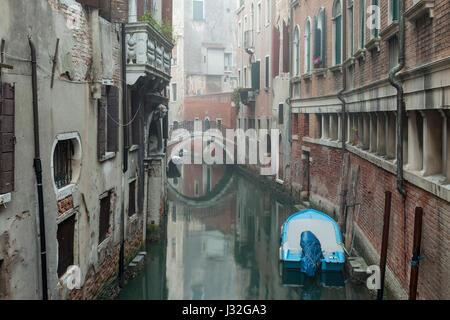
221	241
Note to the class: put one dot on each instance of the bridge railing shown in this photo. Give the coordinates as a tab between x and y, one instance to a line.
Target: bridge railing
199	125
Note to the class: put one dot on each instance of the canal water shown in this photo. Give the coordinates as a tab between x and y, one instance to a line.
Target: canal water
221	241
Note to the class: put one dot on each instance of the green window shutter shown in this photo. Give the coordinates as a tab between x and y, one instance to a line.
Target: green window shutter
362	23
394	10
316	35
256	79
198	10
323	38
338	40
375	3
267	72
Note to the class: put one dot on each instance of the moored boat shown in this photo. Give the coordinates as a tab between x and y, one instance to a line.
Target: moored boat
324	229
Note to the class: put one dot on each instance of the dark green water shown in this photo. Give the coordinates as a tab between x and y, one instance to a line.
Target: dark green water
221	241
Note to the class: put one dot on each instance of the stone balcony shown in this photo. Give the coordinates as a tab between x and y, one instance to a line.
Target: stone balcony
149	53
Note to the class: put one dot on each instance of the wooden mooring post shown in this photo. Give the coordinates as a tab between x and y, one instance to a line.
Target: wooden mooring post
384	242
416	254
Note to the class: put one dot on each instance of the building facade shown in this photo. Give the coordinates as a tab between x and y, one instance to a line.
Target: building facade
84	106
344	102
263	72
204	54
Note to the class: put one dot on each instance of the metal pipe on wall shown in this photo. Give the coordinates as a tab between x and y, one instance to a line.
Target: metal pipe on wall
400	96
38	171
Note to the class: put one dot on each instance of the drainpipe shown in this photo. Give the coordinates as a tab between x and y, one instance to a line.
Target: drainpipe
291	58
344	78
38	171
125	155
400	97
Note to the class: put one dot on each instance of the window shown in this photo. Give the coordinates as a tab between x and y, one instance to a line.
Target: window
196	188
337	35
108	121
297	51
258	17
362	23
286	42
174	213
308	46
219	124
245	77
252	17
268	11
393	49
228	62
198	10
376	19
104	219
240	34
7	110
65	237
267	72
174	92
280	113
256	80
350	27
132	198
393	10
216	61
319	40
62	163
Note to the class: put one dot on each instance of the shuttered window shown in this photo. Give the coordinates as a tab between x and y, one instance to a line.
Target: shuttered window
132	198
198	10
7	110
286	61
280	113
104	219
275	52
256	78
337	18
65	236
108	121
394	4
267	72
362	23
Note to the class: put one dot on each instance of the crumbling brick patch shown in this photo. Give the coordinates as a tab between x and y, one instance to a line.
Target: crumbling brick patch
65	205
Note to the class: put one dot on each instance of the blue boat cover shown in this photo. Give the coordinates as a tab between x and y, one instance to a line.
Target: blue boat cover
311	253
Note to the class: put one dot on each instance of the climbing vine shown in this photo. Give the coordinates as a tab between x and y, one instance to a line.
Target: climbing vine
237	99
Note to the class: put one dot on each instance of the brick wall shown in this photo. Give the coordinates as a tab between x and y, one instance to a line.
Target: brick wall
213	106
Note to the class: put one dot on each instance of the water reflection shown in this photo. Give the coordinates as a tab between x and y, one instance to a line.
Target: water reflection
223	237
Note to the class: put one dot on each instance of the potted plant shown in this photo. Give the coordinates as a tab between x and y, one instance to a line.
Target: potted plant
318	62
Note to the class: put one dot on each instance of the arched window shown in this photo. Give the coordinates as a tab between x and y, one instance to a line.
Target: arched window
337	34
320	40
297	51
308	45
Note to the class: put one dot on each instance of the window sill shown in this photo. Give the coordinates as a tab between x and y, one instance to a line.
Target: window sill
336	68
104	243
306	76
389	31
360	54
419	9
108	156
349	62
133	148
296	79
374	43
5	198
64	192
320	72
